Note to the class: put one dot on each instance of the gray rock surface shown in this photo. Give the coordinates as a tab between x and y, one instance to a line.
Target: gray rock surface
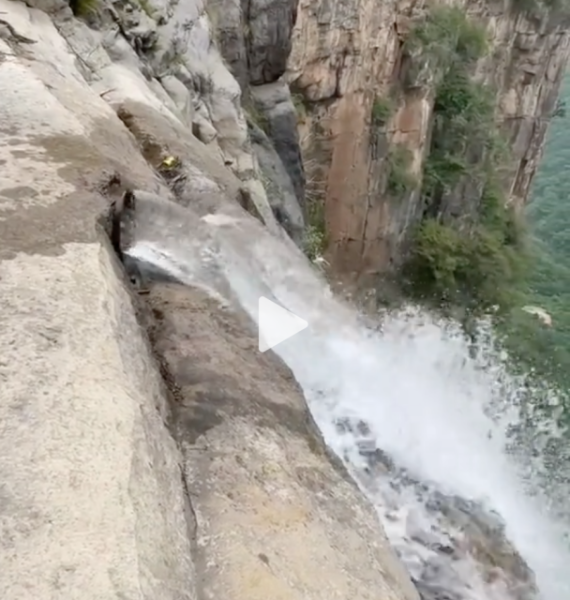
163	54
279	187
276	518
91	502
274	102
255	37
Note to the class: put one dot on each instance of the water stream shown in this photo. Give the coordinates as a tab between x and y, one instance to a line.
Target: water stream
405	405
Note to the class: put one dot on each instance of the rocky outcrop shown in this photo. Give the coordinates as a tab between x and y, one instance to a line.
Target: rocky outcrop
197	472
171	49
368	98
272	508
255	40
281	191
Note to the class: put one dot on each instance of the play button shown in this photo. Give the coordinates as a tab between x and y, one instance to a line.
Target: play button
276	324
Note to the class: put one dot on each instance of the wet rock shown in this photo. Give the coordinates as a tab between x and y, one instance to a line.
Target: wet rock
274	102
455	548
433	591
278	184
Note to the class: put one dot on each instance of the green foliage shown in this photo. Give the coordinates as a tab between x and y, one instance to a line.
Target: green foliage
400	180
477	269
531	343
446	35
382	109
464	135
300	107
479	265
315	242
82	8
146	7
459	98
464	138
256	116
474	262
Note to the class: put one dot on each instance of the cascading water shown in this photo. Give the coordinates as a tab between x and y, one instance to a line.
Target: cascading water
411	392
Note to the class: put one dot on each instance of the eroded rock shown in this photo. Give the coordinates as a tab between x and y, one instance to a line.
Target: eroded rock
280	189
275	104
263	488
255	37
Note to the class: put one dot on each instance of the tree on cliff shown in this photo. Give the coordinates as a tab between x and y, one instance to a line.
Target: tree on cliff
468	250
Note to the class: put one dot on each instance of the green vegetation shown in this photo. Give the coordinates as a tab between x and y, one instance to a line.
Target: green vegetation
315	234
471	252
146	7
529	341
476	269
81	8
464	139
256	116
400	180
447	36
382	109
300	106
476	260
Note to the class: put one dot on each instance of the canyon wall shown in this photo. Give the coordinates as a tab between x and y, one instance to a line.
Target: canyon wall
365	93
201	474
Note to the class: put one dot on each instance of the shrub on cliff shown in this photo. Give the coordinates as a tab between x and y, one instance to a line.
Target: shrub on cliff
474	260
465	142
382	109
446	35
400	180
478	267
316	240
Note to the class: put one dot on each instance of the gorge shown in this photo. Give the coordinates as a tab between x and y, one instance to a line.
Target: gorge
148	449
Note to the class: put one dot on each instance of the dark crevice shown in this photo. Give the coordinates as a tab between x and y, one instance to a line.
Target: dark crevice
149	320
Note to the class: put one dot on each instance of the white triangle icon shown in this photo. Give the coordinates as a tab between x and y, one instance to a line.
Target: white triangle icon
276	324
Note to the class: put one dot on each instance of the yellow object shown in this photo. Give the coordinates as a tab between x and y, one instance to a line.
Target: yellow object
169	162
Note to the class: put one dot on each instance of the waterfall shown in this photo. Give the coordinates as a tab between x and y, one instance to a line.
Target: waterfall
420	420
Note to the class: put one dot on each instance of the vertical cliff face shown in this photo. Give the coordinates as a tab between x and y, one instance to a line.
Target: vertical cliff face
401	104
255	38
364	119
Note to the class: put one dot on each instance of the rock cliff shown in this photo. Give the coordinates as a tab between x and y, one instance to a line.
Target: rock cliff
176	465
380	99
183	464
